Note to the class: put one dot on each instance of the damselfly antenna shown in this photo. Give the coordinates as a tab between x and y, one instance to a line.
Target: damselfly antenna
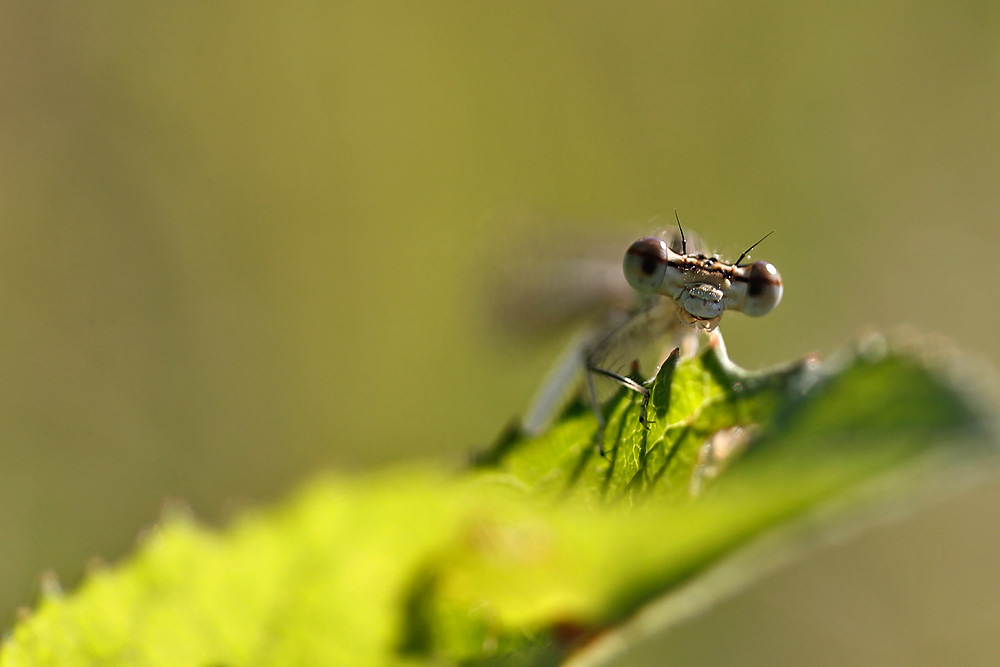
684	243
747	251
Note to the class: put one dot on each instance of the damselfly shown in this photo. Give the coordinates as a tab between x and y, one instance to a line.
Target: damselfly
678	293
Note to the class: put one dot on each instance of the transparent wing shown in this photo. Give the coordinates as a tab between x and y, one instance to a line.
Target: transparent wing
551	281
560	295
636	346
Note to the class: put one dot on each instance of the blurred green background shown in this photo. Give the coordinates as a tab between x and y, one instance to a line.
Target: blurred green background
242	243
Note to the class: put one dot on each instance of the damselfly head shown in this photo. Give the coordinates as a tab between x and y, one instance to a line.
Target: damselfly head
701	287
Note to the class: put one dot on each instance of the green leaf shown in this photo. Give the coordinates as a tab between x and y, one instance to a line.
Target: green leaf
543	548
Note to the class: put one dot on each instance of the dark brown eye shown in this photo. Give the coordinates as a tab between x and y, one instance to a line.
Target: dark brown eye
645	264
763	289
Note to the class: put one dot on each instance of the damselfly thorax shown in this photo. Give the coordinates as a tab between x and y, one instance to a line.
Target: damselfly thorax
678	293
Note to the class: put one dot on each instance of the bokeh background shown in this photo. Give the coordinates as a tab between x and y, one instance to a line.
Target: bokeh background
241	243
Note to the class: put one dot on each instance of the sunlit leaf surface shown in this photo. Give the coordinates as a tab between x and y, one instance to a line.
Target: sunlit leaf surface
544	549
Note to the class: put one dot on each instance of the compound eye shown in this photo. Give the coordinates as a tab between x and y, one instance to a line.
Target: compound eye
645	264
763	289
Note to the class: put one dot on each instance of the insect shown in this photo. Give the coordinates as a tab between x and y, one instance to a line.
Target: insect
678	293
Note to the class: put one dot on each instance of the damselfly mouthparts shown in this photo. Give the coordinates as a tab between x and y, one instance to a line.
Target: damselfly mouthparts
679	292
